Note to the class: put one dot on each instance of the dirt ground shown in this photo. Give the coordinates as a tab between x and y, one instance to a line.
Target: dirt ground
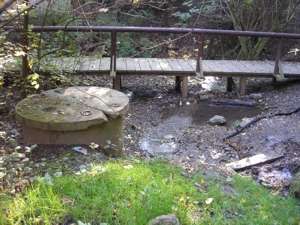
162	124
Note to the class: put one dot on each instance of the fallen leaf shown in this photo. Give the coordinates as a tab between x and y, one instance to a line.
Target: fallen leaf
209	201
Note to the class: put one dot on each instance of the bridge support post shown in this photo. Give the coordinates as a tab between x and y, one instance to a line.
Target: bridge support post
242	87
181	85
278	72
117	82
229	84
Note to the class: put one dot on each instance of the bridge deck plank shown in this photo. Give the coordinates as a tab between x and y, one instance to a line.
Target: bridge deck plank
156	66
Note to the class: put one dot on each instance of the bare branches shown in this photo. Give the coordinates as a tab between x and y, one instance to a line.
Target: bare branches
27	9
6	5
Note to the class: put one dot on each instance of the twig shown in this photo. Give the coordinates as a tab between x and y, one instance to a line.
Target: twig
238	131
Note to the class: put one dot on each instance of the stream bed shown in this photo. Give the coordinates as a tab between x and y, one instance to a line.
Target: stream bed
163	138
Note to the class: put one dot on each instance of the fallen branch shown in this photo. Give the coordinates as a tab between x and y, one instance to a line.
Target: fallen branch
241	129
234	102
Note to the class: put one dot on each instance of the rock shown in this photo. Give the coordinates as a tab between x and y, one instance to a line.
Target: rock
275	178
82	167
2	174
80	149
3	135
28	170
14	133
245	121
3	107
18	148
29	149
12	142
295	186
203	97
129	94
94	146
165	220
74	116
58	174
25	160
48	179
73	108
169	137
217	120
16	156
256	96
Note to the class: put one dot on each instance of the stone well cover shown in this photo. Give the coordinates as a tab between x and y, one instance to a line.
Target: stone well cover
73	108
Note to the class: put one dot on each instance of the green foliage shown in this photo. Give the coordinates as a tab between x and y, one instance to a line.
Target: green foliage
130	45
126	45
4	201
132	193
33	80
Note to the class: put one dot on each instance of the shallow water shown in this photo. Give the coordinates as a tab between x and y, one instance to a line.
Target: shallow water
163	138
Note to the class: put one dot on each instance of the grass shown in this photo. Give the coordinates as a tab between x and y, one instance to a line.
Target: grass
132	193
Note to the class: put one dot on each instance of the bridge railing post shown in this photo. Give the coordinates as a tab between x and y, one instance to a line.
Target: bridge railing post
199	65
113	62
278	72
25	43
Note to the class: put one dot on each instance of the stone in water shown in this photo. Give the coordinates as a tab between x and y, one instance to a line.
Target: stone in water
217	120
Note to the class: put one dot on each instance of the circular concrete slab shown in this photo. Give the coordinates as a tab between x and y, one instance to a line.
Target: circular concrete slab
71	109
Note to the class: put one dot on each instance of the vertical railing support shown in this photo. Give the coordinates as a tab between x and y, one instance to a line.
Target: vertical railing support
25	43
199	65
113	62
278	72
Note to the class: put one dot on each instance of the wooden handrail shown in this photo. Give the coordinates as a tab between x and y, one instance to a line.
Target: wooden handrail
165	30
160	30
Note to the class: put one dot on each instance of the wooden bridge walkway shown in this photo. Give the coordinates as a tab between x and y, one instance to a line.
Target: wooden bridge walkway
173	67
180	68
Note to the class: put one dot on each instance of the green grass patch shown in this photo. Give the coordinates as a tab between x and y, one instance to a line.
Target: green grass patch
132	193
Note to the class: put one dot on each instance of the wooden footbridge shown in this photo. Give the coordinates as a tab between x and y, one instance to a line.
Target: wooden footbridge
181	69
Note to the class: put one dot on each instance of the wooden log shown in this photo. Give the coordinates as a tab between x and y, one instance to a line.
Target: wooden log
234	102
253	160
